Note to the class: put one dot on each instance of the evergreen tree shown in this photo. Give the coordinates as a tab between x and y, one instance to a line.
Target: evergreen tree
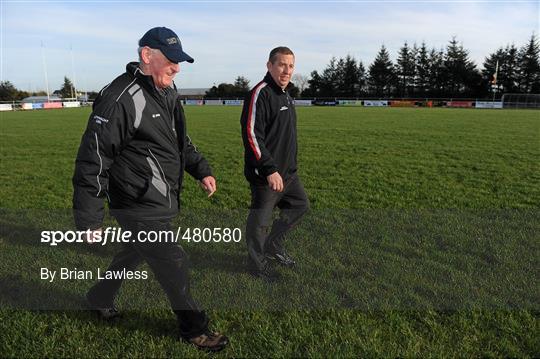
412	84
350	77
437	73
433	73
405	71
68	90
330	79
8	92
314	85
490	69
422	66
381	74
341	88
508	74
463	78
529	67
510	69
454	65
361	79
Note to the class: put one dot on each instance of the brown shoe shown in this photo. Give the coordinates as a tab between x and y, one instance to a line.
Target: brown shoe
209	341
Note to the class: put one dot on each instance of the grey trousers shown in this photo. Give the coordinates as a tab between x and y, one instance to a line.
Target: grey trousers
263	236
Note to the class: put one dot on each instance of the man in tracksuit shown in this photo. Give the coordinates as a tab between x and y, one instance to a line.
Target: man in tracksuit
134	153
270	151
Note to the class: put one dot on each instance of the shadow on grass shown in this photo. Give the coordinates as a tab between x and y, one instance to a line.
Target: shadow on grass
19	293
227	260
392	259
25	227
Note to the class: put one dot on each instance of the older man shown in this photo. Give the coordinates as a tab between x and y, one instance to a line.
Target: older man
134	152
270	150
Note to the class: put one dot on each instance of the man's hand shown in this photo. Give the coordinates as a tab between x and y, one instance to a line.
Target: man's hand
208	183
275	182
94	236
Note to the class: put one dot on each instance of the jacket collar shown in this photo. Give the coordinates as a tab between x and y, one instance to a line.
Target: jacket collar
133	69
270	81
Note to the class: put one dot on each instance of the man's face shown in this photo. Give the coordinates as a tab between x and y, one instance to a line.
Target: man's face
282	69
161	69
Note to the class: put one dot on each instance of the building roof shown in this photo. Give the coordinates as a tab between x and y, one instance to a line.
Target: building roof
35	99
193	92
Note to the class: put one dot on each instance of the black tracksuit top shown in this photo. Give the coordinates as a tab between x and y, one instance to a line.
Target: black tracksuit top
134	152
269	132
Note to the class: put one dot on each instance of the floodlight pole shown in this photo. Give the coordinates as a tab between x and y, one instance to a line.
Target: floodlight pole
85	88
45	71
73	90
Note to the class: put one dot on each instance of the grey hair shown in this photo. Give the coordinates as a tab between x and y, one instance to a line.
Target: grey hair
140	48
139	52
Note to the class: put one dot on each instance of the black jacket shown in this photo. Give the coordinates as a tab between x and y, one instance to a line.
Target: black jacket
134	151
269	132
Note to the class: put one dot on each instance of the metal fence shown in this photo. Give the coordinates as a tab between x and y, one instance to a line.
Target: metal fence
507	101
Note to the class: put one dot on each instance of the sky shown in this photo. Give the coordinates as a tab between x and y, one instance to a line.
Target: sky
91	41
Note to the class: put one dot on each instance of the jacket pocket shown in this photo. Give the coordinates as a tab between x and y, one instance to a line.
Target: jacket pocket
127	183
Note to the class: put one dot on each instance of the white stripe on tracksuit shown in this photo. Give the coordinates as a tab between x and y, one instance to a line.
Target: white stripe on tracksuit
251	118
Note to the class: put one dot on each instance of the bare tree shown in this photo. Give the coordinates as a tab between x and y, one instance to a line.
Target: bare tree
300	81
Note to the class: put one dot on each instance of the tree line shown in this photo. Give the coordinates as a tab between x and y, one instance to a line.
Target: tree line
8	91
418	72
422	72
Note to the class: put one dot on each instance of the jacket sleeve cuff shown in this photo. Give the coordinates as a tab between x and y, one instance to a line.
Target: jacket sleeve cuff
267	170
200	176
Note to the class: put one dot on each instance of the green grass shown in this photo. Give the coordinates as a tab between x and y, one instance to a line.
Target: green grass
422	240
349	157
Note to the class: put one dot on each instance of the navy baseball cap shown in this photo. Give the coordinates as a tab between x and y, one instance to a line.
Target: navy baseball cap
168	42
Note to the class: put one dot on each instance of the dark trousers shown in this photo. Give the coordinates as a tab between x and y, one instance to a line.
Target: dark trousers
262	235
168	262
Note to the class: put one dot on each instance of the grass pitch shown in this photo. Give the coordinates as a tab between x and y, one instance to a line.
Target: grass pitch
422	240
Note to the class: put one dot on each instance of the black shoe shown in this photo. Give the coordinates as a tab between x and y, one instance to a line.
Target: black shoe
282	258
209	341
105	312
267	274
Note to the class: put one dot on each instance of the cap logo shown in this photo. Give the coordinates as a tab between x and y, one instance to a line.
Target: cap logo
172	40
